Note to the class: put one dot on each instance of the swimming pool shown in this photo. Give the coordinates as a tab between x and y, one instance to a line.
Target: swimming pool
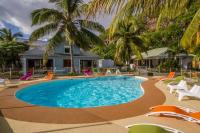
83	93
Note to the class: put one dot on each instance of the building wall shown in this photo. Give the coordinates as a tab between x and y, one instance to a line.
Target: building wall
76	50
77	64
186	62
61	49
155	63
58	58
59	63
24	65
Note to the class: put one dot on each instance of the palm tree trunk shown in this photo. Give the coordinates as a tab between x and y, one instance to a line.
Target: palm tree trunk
72	59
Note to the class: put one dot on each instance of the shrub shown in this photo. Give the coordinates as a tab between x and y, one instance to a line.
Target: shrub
72	74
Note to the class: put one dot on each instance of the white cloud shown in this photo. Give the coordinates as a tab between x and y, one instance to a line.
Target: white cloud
17	12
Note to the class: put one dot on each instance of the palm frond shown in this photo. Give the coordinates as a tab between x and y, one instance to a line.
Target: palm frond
151	8
139	43
138	6
171	10
45	15
75	4
7	35
136	50
187	40
55	41
82	40
43	31
121	53
107	6
69	6
117	24
1	38
94	39
71	31
91	25
3	31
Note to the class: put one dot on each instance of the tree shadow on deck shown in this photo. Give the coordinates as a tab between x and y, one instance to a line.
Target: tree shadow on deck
4	125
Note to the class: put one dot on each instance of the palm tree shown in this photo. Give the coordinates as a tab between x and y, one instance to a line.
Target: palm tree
128	43
10	47
65	24
150	8
7	35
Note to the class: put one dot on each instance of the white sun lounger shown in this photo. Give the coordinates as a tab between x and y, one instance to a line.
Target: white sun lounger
118	71
194	92
182	85
2	81
108	72
169	129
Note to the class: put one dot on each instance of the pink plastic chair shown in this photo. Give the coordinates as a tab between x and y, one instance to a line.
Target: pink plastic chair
27	76
87	72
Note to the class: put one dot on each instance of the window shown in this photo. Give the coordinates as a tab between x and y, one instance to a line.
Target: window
67	63
67	50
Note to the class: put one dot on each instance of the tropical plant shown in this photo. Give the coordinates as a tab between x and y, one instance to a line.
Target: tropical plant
10	48
127	40
168	37
65	24
143	8
151	8
171	35
146	7
6	35
191	37
106	52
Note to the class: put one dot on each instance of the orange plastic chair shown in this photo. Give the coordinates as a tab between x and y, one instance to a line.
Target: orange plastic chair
175	111
167	108
170	76
49	76
195	115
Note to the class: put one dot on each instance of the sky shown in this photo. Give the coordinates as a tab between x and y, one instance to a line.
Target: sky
15	14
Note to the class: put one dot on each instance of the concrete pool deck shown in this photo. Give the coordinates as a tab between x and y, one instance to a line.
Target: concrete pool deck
108	125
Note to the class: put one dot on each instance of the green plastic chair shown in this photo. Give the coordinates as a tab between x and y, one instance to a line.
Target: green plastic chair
95	70
147	129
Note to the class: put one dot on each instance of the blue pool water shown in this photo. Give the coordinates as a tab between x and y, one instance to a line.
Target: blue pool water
83	93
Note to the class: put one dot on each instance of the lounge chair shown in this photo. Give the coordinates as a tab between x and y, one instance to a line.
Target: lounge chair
49	76
175	111
2	82
118	71
8	84
170	76
87	72
182	85
108	72
194	92
27	76
151	128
